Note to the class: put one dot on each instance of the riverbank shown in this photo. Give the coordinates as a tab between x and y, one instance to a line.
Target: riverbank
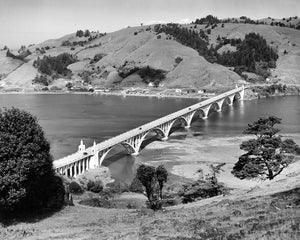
254	92
191	153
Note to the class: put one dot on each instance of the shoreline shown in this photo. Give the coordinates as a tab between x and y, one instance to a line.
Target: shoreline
198	153
158	95
249	94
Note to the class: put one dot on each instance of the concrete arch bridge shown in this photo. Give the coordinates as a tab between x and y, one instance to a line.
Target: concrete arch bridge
92	157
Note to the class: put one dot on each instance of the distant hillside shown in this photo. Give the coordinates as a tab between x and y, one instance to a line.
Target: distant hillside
121	58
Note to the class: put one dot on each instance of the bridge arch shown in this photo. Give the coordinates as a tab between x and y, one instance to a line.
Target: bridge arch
102	154
159	132
199	113
213	107
239	95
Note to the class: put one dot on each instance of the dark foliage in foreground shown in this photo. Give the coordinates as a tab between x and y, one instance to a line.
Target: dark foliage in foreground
152	179
74	187
27	180
95	186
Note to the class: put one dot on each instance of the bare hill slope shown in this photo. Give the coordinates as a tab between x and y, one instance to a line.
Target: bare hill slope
101	57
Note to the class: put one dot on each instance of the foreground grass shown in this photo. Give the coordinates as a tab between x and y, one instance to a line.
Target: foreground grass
275	216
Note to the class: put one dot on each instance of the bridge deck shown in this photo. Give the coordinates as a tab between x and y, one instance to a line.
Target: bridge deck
142	129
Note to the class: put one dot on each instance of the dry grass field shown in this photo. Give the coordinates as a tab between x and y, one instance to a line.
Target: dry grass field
273	216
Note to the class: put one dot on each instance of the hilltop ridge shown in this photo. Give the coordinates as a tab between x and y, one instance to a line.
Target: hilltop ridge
119	59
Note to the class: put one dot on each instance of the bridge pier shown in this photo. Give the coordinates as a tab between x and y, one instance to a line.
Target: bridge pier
242	93
205	111
231	98
188	119
220	104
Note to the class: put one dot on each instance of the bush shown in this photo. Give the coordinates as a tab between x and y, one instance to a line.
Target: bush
95	186
151	75
79	33
200	189
69	85
42	79
98	202
97	58
66	43
117	187
178	60
74	187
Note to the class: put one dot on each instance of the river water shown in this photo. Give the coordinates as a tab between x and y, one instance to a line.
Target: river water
67	118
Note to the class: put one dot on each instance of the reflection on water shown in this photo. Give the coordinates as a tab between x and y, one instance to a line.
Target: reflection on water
68	118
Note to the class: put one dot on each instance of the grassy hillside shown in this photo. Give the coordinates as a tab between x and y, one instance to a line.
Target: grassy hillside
101	57
269	211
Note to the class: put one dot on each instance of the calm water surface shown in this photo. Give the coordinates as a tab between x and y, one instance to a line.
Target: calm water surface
68	118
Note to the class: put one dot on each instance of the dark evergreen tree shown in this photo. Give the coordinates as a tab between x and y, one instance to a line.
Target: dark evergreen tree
79	33
267	155
27	180
153	180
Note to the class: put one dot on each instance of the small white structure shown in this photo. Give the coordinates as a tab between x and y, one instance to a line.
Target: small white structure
81	147
177	90
200	91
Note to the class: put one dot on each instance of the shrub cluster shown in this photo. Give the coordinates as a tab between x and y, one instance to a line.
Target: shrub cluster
95	186
55	65
200	189
148	74
74	187
152	75
97	58
204	188
81	33
187	37
21	56
41	79
252	49
209	19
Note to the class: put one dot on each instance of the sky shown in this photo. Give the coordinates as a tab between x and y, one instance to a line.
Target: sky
24	22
